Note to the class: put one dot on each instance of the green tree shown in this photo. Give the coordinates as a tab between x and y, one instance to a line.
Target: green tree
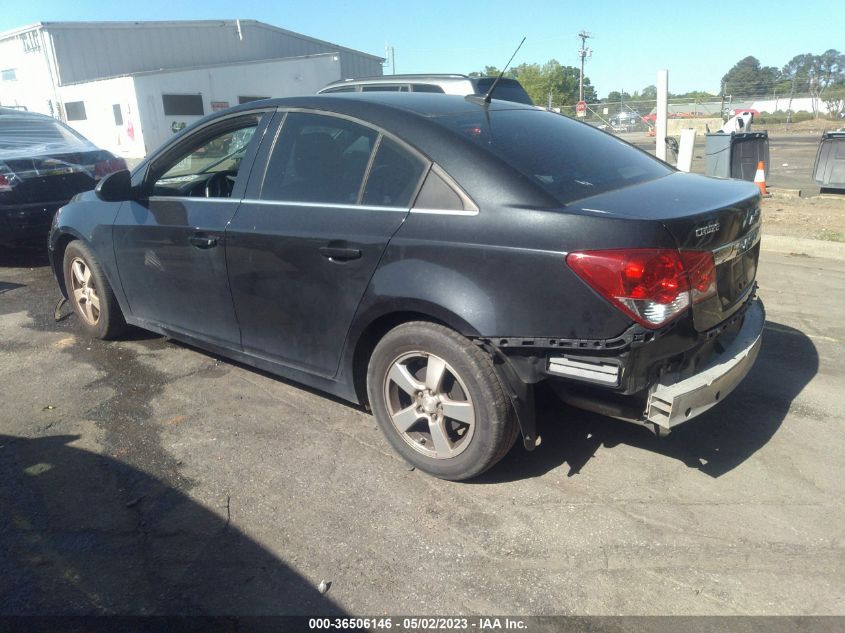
542	81
834	99
614	96
747	78
830	69
694	94
795	75
649	92
489	71
553	81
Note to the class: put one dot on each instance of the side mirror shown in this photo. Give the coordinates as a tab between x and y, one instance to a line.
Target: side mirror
116	187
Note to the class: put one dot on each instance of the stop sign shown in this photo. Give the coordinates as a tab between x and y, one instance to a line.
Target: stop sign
581	108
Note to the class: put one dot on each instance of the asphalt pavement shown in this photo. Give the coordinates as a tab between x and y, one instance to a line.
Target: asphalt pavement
145	477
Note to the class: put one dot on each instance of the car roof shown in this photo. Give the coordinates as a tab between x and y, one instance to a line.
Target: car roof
408	115
407	78
433	79
24	114
420	103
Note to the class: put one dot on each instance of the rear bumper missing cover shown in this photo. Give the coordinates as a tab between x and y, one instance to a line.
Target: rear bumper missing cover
673	401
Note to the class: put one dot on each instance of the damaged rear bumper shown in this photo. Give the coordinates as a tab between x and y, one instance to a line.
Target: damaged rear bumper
674	400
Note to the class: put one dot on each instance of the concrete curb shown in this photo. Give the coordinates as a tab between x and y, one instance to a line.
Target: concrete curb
802	246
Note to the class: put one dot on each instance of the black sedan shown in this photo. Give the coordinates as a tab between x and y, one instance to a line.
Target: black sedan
43	164
434	257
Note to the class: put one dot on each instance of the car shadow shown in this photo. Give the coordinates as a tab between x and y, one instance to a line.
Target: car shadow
714	443
6	286
83	534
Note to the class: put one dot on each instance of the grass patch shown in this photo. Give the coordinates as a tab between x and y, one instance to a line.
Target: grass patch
830	236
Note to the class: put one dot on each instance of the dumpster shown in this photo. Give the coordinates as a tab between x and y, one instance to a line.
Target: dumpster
829	171
735	155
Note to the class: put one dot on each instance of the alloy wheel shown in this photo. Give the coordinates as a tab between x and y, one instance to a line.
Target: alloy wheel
84	291
429	405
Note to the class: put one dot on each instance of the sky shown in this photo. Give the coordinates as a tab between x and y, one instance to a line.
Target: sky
697	42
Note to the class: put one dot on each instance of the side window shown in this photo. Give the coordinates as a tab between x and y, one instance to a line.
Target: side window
208	166
318	158
427	88
341	89
385	88
437	194
394	176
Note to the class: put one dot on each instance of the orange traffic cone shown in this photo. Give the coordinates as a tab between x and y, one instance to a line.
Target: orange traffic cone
760	178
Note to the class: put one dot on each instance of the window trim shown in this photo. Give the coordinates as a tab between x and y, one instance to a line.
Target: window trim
366	177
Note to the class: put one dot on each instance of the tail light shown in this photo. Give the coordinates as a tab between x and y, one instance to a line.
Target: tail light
105	167
701	270
6	178
652	286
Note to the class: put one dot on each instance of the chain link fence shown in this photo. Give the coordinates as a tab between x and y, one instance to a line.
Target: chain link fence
639	115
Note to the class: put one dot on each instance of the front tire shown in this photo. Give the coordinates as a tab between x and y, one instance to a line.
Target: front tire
439	402
90	294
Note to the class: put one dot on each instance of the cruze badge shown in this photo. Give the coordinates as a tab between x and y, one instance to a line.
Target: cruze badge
707	229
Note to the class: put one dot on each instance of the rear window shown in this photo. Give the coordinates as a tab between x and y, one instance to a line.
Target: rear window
568	159
506	90
18	133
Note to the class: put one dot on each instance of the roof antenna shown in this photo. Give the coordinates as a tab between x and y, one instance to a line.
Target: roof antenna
489	94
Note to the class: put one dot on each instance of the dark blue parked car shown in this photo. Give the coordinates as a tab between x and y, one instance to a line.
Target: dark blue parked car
433	256
43	164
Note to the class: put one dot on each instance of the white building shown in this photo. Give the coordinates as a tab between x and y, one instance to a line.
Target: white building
128	86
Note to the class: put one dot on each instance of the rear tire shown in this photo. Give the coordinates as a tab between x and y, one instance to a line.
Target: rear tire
90	294
439	402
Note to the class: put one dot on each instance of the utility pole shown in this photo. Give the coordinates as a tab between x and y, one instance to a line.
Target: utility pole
390	55
583	53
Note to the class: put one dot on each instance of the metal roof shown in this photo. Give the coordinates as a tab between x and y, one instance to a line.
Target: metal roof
88	51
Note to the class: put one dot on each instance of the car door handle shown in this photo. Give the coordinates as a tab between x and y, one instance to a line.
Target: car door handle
340	254
203	241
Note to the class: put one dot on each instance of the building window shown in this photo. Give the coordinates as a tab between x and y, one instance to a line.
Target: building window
183	105
242	100
8	74
75	111
31	41
118	115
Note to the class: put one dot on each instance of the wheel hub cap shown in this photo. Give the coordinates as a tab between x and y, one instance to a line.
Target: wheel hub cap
429	404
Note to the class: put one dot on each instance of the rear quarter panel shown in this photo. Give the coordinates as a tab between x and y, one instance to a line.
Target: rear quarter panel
503	272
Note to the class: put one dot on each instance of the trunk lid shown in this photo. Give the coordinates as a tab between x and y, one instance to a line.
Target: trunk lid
702	214
51	178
